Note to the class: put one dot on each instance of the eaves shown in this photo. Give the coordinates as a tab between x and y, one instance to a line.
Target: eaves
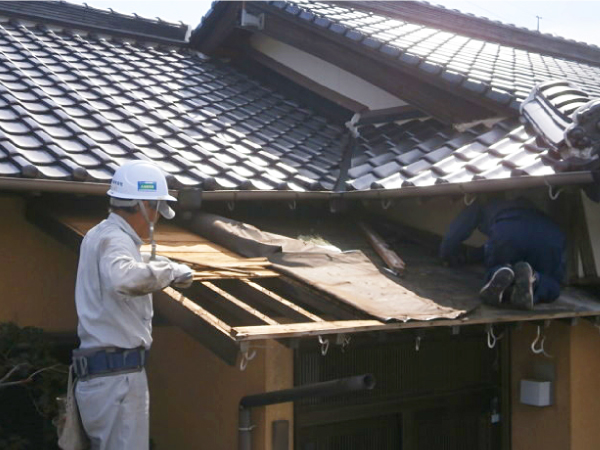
554	181
446	95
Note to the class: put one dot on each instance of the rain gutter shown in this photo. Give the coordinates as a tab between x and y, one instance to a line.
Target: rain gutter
471	187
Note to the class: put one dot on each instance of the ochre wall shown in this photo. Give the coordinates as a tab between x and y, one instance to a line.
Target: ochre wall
195	395
37	273
547	427
585	383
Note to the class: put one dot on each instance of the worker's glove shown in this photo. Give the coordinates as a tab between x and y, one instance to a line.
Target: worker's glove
182	276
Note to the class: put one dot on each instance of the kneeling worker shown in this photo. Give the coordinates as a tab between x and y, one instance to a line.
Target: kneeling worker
113	296
524	255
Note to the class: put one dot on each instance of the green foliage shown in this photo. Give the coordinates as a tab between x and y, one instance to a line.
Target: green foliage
26	362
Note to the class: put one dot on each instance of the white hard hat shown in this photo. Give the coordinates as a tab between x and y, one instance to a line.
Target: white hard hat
141	180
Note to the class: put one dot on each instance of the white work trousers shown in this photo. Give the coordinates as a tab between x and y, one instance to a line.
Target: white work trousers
115	411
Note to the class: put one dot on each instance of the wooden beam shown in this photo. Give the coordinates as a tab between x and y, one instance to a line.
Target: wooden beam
325	304
390	257
308	329
280	300
198	323
240	304
303	329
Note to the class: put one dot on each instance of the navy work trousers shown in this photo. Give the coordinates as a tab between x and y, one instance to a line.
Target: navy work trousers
526	235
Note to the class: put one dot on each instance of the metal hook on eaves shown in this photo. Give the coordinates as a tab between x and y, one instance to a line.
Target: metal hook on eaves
247	355
492	339
343	341
539	350
553	195
386	203
469	199
324	345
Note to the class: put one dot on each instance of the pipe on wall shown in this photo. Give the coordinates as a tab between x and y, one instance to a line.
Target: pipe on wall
322	389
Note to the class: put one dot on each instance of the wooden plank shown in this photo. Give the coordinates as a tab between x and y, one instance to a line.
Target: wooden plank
224	275
240	304
325	304
307	329
258	299
197	309
390	257
304	329
198	323
278	299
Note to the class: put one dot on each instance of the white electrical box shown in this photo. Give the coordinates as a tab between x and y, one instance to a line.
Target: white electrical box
536	392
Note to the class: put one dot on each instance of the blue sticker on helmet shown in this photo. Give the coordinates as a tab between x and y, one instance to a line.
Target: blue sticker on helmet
146	185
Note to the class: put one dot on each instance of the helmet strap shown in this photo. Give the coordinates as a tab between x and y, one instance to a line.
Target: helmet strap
150	227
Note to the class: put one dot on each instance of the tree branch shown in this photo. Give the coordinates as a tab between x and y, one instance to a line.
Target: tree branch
29	379
11	371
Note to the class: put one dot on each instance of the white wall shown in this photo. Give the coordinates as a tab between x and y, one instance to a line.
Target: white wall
325	73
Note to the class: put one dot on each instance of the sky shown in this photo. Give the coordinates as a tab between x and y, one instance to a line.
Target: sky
576	20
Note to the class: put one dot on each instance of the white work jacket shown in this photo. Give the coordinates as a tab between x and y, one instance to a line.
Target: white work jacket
114	285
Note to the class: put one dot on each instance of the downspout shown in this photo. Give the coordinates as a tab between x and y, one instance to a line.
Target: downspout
325	388
349	145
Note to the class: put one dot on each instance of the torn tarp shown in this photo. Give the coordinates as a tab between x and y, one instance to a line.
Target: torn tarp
349	277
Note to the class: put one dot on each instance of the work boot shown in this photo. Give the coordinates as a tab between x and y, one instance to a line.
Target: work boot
491	293
522	293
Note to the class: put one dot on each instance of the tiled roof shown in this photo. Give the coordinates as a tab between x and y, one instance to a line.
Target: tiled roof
497	72
426	153
75	106
85	17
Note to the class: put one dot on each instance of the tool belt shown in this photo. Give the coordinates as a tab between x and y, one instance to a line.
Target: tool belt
100	362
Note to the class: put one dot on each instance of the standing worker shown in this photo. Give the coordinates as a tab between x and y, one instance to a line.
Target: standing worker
113	296
524	255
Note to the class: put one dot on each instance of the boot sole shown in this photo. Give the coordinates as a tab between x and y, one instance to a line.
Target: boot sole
522	295
491	293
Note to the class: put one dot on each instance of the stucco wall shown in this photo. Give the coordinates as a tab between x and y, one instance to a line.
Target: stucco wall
585	382
571	423
37	273
542	427
195	395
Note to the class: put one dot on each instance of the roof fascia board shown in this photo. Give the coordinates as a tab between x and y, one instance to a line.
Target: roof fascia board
480	28
429	93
